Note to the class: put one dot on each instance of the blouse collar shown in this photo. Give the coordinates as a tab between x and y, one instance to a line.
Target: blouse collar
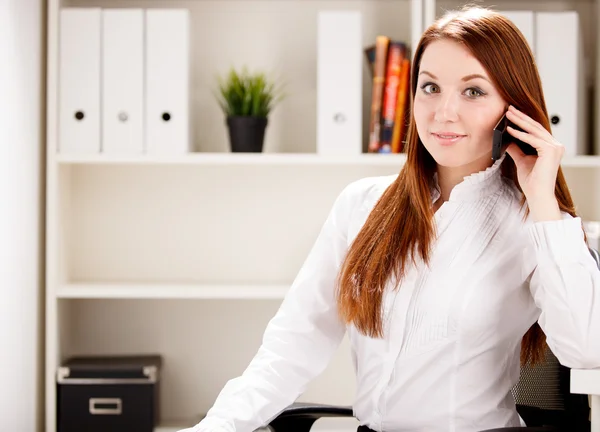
474	186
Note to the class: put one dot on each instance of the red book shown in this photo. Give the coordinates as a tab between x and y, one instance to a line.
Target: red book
396	55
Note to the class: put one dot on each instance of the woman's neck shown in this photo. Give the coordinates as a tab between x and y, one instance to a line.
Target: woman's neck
449	177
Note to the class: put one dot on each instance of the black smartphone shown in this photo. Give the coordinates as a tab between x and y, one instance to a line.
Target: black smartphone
502	138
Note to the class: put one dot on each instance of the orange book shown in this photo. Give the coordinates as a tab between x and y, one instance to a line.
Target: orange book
396	54
381	49
400	126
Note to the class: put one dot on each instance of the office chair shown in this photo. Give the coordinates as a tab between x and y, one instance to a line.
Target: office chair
542	396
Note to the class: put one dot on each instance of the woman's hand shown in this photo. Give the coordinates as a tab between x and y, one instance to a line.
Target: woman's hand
536	174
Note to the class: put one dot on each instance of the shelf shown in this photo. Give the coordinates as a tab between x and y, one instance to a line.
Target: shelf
235	159
170	291
581	161
590	161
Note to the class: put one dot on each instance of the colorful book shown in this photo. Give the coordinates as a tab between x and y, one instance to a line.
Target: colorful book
381	49
396	55
402	108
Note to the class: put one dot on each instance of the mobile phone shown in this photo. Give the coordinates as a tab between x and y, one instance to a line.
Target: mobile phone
502	138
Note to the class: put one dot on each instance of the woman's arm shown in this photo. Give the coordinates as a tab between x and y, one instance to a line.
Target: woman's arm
299	340
565	285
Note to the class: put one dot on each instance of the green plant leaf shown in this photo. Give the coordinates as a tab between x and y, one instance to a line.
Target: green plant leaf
241	93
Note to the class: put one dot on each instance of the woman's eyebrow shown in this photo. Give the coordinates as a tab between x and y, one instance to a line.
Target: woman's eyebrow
465	78
473	76
424	72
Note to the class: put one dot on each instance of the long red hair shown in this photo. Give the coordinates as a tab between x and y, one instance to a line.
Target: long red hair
401	226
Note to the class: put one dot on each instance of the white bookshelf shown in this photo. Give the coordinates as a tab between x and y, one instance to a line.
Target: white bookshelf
170	291
189	256
231	159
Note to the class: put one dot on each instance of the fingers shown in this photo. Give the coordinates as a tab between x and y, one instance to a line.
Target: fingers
526	123
515	153
534	141
533	134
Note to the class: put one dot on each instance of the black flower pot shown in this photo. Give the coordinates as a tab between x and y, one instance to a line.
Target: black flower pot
246	133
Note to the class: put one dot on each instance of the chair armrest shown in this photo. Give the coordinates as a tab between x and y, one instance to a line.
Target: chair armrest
300	416
587	382
304	409
524	429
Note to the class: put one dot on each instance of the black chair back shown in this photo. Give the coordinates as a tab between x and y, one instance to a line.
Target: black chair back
543	397
543	393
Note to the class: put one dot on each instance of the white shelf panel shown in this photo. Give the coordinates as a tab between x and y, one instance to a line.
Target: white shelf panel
235	159
590	161
581	161
170	291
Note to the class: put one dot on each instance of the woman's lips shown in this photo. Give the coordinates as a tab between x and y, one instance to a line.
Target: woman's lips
447	138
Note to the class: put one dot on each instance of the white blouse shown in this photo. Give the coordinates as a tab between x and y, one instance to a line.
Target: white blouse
453	329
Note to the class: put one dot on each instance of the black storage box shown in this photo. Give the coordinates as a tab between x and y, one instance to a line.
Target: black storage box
102	394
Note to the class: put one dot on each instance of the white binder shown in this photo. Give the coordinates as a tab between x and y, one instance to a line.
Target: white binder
167	81
339	83
560	62
525	22
122	81
79	80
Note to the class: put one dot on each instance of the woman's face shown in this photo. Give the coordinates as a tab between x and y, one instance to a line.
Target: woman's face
456	106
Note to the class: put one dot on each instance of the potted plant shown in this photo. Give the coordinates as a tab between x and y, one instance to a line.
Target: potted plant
246	99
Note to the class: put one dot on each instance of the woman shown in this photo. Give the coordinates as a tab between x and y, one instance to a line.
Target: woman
447	275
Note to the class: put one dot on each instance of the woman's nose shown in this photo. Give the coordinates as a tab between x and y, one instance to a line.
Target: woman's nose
447	108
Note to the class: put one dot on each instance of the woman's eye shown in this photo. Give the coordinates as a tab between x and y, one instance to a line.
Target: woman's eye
430	88
473	92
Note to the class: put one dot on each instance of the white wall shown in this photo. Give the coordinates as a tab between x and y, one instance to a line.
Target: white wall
21	134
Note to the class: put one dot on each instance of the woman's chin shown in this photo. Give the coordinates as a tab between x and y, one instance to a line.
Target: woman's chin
454	158
448	158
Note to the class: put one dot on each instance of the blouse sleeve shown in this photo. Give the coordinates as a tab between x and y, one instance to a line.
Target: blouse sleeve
298	342
565	285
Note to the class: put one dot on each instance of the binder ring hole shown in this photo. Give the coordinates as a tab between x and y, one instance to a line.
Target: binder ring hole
123	116
339	118
555	119
166	116
79	115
